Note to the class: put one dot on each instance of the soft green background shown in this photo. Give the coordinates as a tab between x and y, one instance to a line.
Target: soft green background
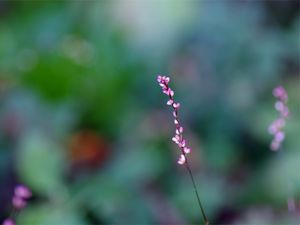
88	69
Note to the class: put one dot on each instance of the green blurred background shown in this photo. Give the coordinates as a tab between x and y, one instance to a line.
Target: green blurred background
84	123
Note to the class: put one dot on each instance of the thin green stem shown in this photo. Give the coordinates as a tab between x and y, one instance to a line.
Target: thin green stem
195	189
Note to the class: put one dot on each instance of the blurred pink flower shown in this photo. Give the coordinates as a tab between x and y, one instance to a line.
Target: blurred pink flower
181	159
18	202
277	125
8	222
280	93
22	191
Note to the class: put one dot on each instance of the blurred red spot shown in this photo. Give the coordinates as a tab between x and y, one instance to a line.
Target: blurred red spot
87	149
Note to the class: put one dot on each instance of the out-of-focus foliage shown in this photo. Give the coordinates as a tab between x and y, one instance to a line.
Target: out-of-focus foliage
84	125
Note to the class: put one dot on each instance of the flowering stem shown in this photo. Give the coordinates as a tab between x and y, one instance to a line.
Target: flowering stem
196	192
178	138
276	129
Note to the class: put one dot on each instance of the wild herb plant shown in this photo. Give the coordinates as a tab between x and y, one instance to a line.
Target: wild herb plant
178	138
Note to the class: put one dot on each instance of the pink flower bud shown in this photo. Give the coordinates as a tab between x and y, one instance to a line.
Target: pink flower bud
187	150
279	136
176	105
170	102
275	145
174	113
279	106
159	79
181	159
181	144
171	93
272	128
8	221
22	192
167	80
162	85
179	130
175	140
280	92
18	202
167	91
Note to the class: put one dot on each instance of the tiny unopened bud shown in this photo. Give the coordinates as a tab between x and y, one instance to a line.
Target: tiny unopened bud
22	192
279	136
174	113
170	102
181	159
187	150
275	145
171	93
176	105
18	202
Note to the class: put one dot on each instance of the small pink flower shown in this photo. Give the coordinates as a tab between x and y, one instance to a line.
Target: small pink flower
181	159
179	130
176	139
174	113
171	93
159	79
163	79
180	144
187	150
279	105
272	128
18	202
8	221
275	145
167	79
170	102
176	105
279	92
167	91
162	85
22	192
279	136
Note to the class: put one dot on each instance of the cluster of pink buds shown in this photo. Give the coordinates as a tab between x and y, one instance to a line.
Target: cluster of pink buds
178	138
277	125
19	201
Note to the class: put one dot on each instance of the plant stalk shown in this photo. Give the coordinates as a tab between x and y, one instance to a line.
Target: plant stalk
195	189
